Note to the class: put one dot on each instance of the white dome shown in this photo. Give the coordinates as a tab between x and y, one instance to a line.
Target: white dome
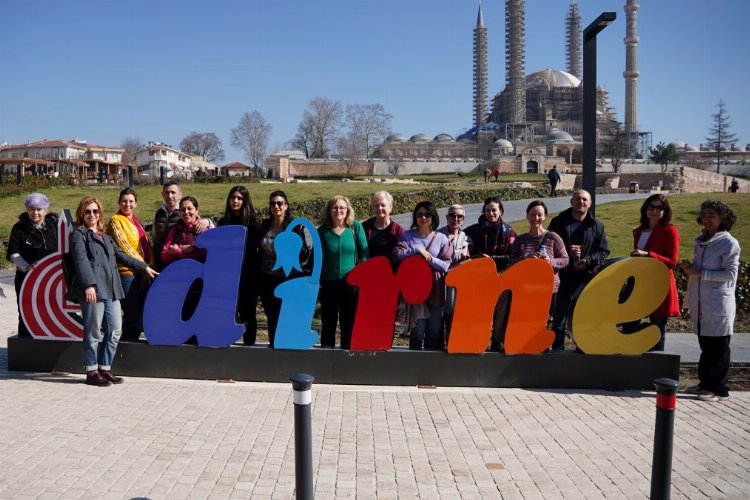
443	138
395	138
502	143
419	138
548	78
556	135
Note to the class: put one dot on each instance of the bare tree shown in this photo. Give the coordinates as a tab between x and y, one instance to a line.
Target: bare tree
720	137
205	144
319	128
350	150
368	125
251	137
131	145
617	147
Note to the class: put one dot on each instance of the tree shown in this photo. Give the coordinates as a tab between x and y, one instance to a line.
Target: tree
205	144
618	147
368	125
350	149
131	145
719	135
663	154
319	128
251	137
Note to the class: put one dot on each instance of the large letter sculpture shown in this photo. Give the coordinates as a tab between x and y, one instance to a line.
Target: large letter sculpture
598	309
213	321
298	295
44	309
478	287
378	298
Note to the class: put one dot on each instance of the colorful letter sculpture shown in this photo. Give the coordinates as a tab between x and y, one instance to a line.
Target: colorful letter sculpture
478	287
597	310
213	322
378	297
44	309
299	295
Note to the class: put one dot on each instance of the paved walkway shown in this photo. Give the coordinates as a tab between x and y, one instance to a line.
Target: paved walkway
172	439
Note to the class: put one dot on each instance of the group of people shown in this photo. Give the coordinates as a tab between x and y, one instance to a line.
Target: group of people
114	264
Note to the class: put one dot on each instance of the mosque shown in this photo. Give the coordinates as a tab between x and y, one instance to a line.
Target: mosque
536	120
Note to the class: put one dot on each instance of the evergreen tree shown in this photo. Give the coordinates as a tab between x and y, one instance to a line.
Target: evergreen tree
719	135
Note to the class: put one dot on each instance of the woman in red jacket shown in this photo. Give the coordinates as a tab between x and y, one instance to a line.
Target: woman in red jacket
659	239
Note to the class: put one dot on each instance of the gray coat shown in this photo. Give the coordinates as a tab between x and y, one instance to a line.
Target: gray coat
710	296
95	262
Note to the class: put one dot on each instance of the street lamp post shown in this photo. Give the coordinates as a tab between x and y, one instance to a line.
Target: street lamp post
589	102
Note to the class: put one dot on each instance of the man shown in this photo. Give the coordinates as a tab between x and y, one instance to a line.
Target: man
166	217
554	177
587	247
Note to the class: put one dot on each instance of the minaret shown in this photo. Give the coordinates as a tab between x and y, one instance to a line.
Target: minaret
480	70
631	66
573	39
515	60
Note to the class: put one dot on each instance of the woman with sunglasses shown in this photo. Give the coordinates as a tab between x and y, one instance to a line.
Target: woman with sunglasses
460	242
128	234
240	211
425	241
382	232
269	275
657	238
33	237
97	288
344	246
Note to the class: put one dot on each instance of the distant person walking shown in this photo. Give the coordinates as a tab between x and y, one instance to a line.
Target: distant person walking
487	172
554	178
734	186
496	173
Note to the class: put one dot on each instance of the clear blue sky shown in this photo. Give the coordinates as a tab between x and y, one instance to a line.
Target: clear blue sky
102	70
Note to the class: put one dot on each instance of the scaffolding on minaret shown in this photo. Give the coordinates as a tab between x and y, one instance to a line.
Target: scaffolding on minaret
573	39
515	60
480	70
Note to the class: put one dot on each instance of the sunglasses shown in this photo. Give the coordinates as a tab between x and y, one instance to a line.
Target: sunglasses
276	203
655	208
456	216
424	215
91	211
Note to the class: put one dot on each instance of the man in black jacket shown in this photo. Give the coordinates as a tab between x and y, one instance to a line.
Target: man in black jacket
587	247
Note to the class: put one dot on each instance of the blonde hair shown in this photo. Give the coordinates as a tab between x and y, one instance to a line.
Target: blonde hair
81	212
382	195
325	215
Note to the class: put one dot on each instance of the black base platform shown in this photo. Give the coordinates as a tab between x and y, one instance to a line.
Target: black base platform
566	370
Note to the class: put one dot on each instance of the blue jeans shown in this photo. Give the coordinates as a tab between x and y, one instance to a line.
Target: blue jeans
99	346
429	331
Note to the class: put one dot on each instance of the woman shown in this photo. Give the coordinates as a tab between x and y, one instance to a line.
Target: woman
425	241
540	243
712	281
344	246
180	242
382	232
127	232
33	237
97	288
269	277
658	239
239	211
493	238
460	243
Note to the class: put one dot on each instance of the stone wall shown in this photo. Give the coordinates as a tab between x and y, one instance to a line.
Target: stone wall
676	180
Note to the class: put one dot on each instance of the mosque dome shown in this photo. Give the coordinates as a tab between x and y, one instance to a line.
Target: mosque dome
443	138
557	135
691	148
678	145
502	143
419	138
549	78
395	138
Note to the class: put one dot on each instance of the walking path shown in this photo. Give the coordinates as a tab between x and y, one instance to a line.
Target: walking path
172	439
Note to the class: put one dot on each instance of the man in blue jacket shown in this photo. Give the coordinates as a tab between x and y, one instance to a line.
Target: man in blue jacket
587	247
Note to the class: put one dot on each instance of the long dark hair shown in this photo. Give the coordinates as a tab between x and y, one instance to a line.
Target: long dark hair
247	215
428	207
666	216
287	215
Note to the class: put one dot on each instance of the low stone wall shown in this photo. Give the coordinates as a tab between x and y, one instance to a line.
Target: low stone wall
676	180
408	167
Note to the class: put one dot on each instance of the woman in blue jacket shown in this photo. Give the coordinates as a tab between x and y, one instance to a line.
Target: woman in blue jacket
97	288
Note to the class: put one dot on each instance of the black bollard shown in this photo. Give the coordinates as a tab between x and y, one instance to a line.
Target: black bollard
161	175
130	177
302	385
661	467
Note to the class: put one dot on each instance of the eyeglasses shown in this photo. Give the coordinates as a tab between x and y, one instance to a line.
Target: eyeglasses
456	216
423	215
655	208
276	203
91	211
